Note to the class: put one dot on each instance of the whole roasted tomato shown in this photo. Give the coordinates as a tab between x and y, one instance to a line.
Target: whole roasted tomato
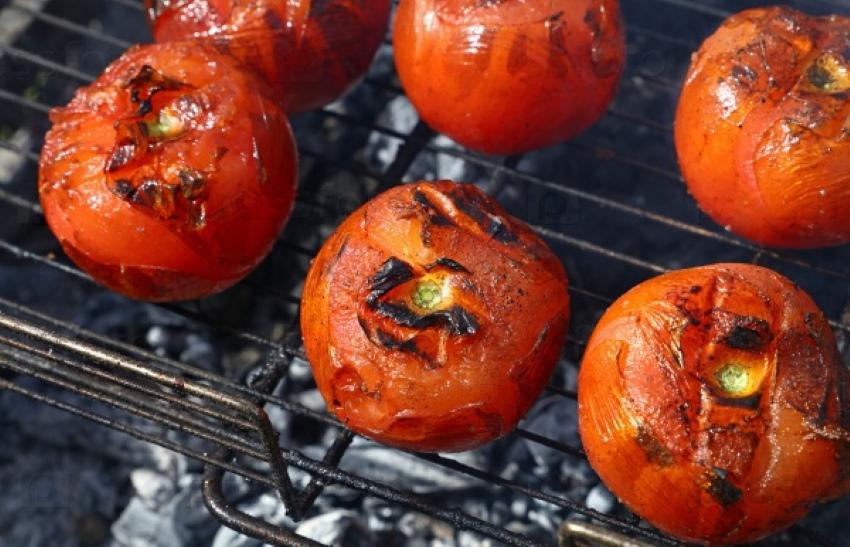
171	176
310	52
432	319
714	403
508	77
762	131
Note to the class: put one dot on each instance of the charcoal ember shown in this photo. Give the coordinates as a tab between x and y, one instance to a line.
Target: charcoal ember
340	528
425	531
400	117
158	339
533	531
199	352
600	499
554	418
469	539
402	469
577	477
54	497
173	521
299	371
235	488
140	526
382	516
153	489
61	430
110	314
267	507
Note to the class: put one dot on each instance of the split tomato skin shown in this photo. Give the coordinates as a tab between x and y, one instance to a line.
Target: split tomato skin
714	403
171	176
509	77
432	319
761	127
310	52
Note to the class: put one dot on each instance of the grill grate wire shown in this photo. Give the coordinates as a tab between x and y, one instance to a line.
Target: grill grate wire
230	414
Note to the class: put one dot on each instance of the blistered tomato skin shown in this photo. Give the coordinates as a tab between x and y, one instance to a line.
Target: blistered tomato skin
432	319
714	403
171	176
762	127
310	51
508	77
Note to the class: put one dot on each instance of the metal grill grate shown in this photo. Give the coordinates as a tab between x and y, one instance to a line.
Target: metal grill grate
620	215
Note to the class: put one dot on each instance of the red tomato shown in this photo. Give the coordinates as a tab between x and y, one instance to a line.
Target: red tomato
310	51
432	319
713	401
508	77
761	127
171	176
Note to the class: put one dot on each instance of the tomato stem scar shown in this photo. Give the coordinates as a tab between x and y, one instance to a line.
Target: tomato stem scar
829	74
733	378
165	126
427	295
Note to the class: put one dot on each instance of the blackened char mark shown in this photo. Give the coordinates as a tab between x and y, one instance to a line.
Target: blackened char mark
654	450
748	333
390	342
434	215
447	263
399	313
456	319
724	492
391	274
339	25
469	206
123	188
500	231
405	346
147	83
494	225
752	402
122	155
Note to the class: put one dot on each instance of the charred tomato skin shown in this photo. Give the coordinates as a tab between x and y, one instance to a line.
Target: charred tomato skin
171	176
714	403
309	51
508	77
433	319
761	127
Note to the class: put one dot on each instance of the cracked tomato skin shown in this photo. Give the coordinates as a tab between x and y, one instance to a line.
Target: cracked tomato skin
432	319
762	127
508	77
310	51
713	402
171	176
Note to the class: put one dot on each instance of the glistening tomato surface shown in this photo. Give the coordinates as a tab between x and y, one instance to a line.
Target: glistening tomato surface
310	51
762	127
713	401
171	176
508	77
432	319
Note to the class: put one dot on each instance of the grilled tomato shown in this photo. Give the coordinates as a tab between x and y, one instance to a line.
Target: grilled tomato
714	403
508	77
762	127
432	319
310	51
171	176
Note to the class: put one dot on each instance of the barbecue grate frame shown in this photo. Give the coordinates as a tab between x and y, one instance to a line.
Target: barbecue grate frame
229	415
